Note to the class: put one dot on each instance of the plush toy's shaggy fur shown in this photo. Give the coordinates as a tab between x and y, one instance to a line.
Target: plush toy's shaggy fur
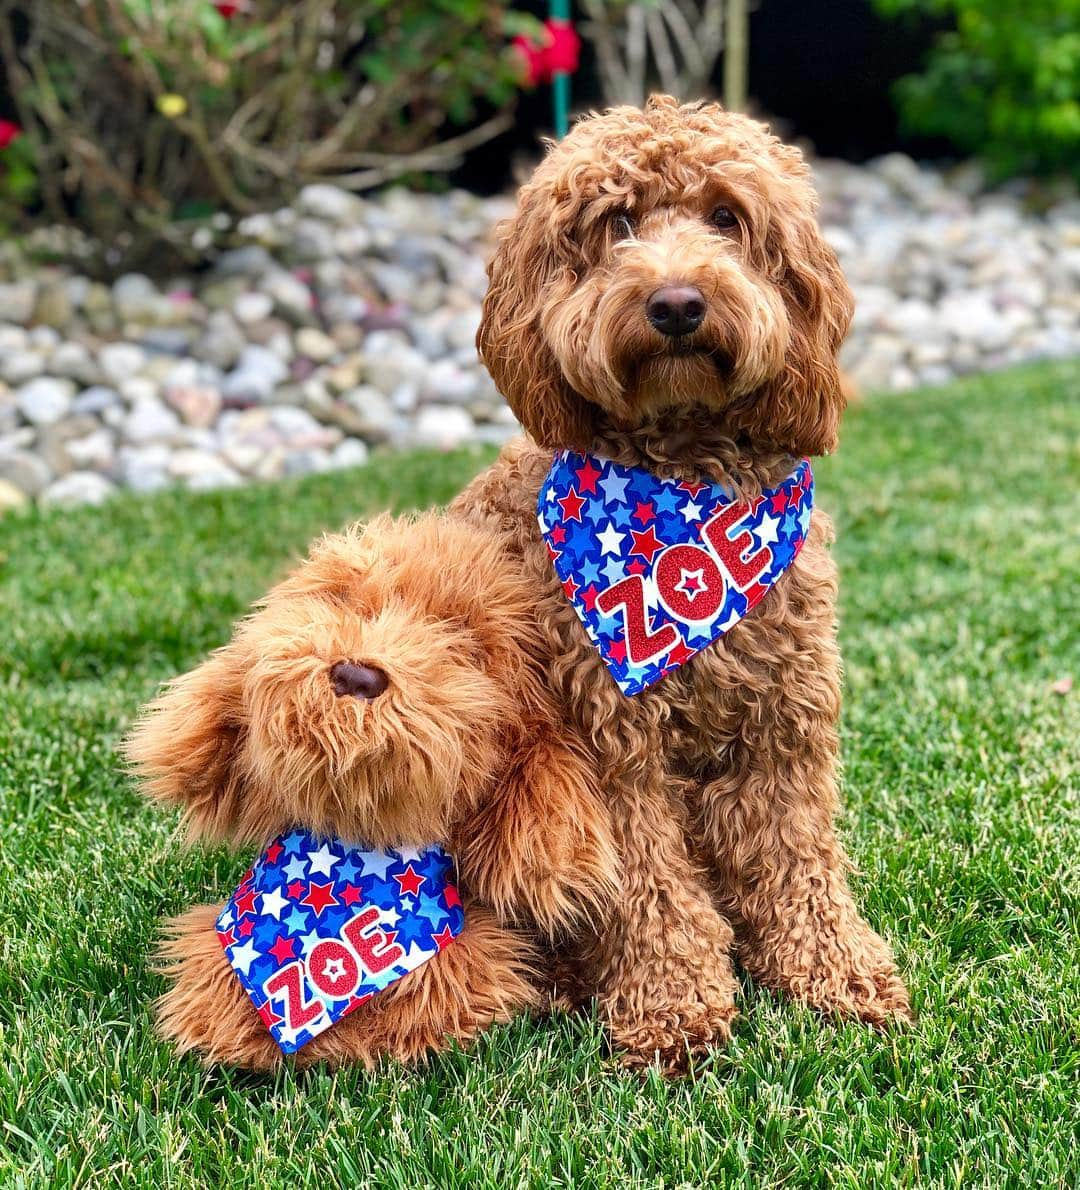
721	779
463	747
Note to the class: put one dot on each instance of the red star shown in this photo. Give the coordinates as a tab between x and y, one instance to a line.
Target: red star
350	895
450	896
693	488
558	535
295	889
269	1016
570	587
273	851
636	567
553	554
228	938
319	897
588	597
571	505
617	651
409	881
755	594
587	477
244	928
647	544
390	936
283	948
442	940
644	513
245	903
679	655
778	502
795	499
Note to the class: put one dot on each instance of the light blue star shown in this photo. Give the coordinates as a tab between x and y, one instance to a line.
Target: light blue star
430	908
310	940
614	488
295	921
614	570
594	511
590	572
295	868
378	863
621	515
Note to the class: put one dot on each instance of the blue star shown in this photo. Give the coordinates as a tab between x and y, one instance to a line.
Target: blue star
412	929
294	869
621	515
667	500
579	541
295	921
378	863
266	933
348	869
383	893
643	484
614	487
294	842
790	525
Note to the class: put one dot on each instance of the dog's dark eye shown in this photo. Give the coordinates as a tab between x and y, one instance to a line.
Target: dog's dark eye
724	219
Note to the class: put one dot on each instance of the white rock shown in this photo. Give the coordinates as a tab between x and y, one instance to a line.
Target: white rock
120	362
24	470
329	202
16	367
143	468
150	421
45	400
80	487
443	426
11	497
17	301
252	307
74	361
314	344
350	452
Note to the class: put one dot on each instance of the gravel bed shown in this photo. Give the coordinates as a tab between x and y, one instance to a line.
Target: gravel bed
340	324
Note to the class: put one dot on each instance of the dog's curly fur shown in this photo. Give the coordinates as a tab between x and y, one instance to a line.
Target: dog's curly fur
721	779
464	747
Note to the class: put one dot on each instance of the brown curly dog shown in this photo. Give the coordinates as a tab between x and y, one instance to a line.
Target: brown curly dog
721	778
439	728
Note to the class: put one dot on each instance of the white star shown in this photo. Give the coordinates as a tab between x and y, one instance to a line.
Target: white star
243	956
323	860
414	956
690	511
273	902
730	622
389	917
409	855
768	529
696	579
550	497
610	539
226	919
407	903
334	970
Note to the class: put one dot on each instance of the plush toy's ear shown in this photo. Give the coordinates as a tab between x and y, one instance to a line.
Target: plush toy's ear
509	340
185	744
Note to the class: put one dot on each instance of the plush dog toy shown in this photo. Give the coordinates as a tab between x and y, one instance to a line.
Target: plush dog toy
379	717
664	318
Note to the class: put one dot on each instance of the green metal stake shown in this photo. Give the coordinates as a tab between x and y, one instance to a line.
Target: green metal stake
560	11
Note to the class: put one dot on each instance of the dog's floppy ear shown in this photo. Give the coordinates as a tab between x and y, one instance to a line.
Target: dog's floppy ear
185	744
509	340
800	410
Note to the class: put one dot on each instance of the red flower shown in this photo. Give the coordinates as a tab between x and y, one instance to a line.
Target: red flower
229	8
8	132
556	53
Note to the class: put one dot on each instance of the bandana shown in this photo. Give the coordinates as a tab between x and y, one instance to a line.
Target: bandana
657	569
318	926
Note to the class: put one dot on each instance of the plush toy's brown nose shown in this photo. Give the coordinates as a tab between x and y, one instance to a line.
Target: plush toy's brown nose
361	681
676	309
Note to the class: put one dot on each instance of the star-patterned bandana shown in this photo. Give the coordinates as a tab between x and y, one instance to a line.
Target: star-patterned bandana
318	926
657	569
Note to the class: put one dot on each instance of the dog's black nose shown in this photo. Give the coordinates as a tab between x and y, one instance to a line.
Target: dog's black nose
676	309
361	681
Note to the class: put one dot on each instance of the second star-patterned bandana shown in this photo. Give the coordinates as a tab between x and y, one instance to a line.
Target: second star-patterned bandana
318	926
657	569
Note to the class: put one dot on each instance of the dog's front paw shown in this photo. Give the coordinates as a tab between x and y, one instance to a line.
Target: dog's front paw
667	1016
852	974
206	1009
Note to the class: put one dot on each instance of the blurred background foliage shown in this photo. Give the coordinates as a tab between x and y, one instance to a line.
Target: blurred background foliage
126	116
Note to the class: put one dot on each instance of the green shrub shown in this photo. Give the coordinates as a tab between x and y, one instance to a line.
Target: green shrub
137	112
1003	82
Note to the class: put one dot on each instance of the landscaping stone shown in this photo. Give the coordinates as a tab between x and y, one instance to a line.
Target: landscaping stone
343	323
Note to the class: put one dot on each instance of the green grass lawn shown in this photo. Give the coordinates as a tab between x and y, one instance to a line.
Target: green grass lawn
958	513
